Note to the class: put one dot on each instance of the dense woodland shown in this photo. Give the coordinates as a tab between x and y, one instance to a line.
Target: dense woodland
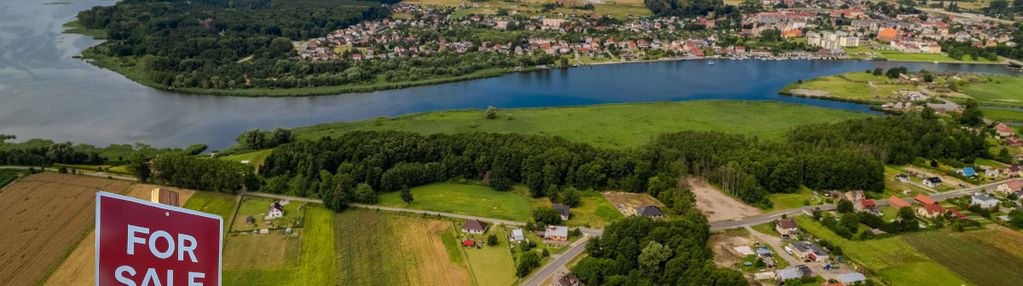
640	251
842	156
202	43
684	8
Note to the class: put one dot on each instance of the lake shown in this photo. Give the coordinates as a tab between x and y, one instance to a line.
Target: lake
48	94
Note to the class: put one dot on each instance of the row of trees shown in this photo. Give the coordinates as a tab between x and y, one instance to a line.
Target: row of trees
258	139
202	173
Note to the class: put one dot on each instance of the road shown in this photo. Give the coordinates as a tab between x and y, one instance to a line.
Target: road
548	270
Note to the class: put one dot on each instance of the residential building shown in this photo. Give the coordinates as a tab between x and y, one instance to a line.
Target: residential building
855	196
983	200
867	205
924	200
568	279
1004	130
809	250
474	226
563	210
888	35
851	278
932	182
650	212
786	227
556	233
275	211
1009	187
897	202
518	236
930	211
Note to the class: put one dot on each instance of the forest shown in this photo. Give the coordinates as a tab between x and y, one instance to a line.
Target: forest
684	8
640	251
843	156
223	44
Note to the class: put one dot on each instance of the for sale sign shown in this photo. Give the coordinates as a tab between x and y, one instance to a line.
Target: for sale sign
140	243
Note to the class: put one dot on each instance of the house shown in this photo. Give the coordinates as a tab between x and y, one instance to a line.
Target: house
855	196
468	243
851	278
164	196
992	172
1012	171
786	227
556	232
968	172
1004	130
983	200
650	212
888	35
568	280
932	182
930	211
868	205
518	235
563	210
924	200
788	274
275	211
474	226
902	178
809	251
1010	187
897	202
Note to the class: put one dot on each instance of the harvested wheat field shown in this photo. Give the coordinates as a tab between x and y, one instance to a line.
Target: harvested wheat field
80	266
44	216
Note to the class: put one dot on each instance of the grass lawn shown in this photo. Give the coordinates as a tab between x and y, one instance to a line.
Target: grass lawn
593	211
243	251
381	248
257	208
983	257
6	176
782	201
866	52
464	199
893	186
852	86
612	125
316	265
892	259
1002	114
767	228
213	203
255	158
997	90
492	265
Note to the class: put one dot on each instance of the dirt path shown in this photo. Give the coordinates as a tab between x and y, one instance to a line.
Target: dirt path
718	206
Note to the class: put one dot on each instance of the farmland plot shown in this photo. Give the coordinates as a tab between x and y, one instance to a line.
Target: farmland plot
44	216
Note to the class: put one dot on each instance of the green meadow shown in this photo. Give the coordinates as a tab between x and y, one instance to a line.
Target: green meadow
612	125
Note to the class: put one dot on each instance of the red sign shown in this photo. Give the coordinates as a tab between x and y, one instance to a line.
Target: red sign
140	243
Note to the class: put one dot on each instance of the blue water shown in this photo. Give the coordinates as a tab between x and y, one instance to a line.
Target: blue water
47	94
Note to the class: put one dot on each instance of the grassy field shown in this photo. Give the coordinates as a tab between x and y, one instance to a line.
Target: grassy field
892	259
998	90
616	9
379	248
7	176
853	86
984	257
255	158
316	264
243	251
492	265
781	201
464	199
866	52
258	207
593	211
213	203
614	126
1002	114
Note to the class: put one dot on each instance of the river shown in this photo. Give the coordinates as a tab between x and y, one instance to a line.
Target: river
48	94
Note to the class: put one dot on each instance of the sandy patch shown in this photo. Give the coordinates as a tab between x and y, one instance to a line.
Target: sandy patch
809	92
723	245
716	205
628	202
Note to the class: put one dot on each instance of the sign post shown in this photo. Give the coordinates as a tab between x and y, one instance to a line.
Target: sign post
140	243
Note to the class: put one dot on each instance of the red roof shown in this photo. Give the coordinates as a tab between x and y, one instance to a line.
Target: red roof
468	242
925	200
896	202
1003	128
1015	185
934	208
868	203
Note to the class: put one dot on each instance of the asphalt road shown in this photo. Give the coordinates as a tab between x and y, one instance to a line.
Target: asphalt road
548	270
